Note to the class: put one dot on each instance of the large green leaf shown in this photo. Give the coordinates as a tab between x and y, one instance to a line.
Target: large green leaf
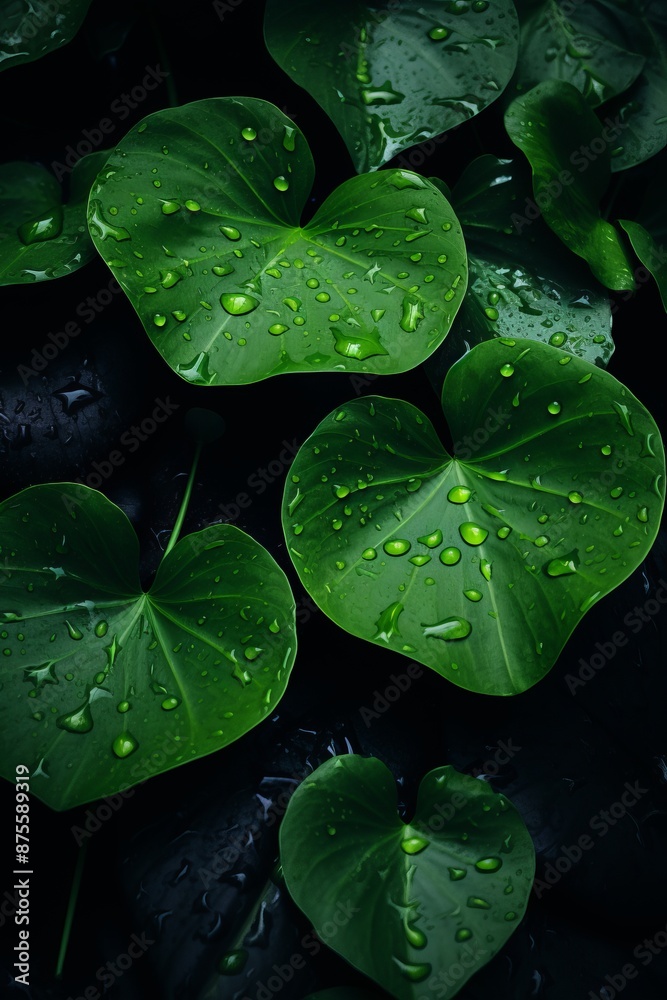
40	238
407	902
569	152
522	280
389	74
651	253
105	685
30	30
198	214
479	566
595	45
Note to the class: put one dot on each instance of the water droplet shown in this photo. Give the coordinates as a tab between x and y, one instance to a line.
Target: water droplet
477	903
169	207
485	568
248	134
414	845
79	721
416	973
432	540
234	961
459	494
554	408
642	514
280	183
412	314
170	703
488	864
237	303
472	534
456	874
463	934
396	547
449	629
369	554
624	417
450	556
574	496
101	629
39	230
506	371
473	595
230	232
104	229
277	329
74	633
564	565
438	34
124	745
122	707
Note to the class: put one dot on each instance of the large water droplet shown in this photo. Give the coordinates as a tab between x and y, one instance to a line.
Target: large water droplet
78	721
488	865
449	629
414	845
237	303
472	534
459	494
396	547
124	745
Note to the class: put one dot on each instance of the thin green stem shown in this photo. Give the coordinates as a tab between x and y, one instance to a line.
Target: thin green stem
178	524
71	906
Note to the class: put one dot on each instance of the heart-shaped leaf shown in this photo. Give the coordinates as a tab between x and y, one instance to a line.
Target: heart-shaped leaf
522	281
596	46
206	200
390	75
105	685
569	151
479	566
406	902
29	31
40	238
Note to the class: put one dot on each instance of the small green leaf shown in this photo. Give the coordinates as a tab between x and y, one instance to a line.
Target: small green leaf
407	901
594	45
29	31
40	238
197	213
523	282
479	565
105	685
392	75
651	254
568	150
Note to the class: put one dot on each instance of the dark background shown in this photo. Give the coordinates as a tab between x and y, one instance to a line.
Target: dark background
143	870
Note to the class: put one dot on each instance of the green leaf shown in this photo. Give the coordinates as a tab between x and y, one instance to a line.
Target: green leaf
40	238
105	685
230	287
651	254
568	150
391	75
596	46
29	31
406	901
522	281
478	566
641	111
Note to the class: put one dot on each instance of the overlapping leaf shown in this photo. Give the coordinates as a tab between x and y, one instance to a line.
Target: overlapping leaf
198	214
40	238
522	280
389	74
407	901
569	151
30	30
105	685
481	565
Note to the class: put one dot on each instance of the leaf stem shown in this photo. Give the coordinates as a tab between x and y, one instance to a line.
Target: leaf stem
69	916
178	524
